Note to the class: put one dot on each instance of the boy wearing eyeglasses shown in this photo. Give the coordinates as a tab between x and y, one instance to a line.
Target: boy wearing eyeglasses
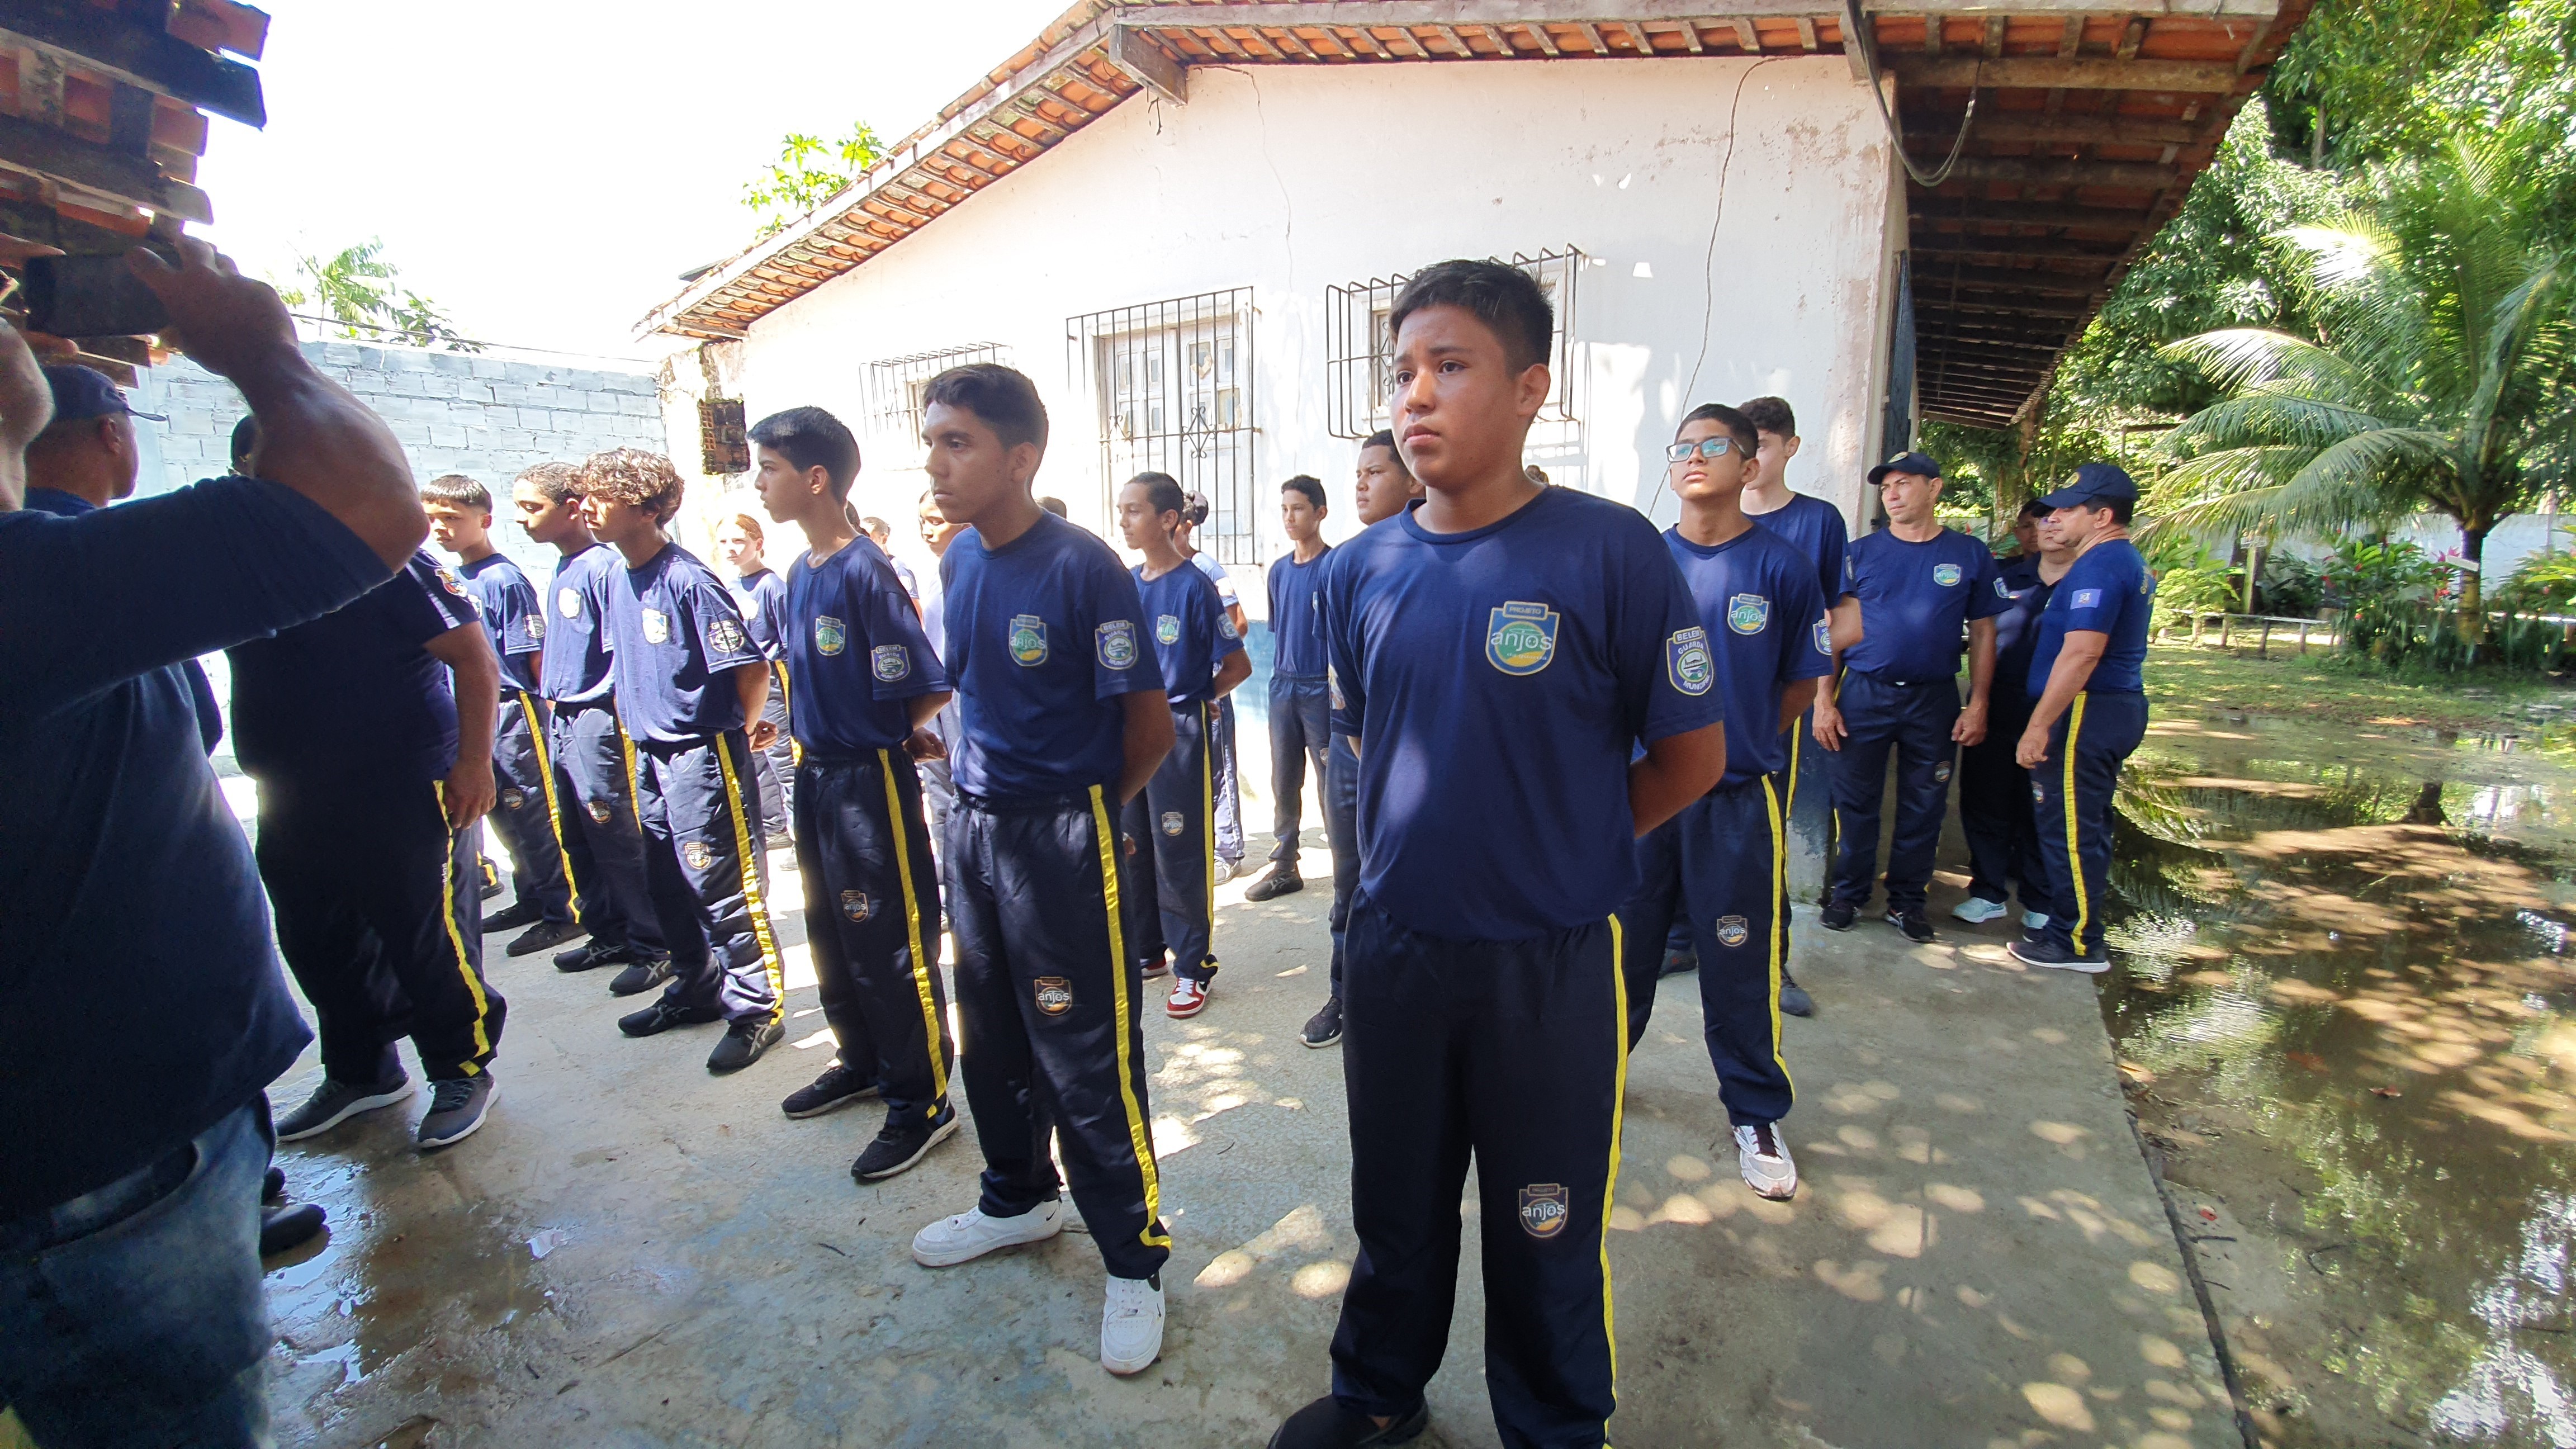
1717	870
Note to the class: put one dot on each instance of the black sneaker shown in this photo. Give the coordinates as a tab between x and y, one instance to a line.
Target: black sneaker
512	916
663	1015
1680	961
272	1188
593	956
1916	925
1325	1027
287	1227
837	1087
1794	1000
2041	951
1325	1424
457	1106
641	976
901	1144
1839	917
745	1038
1281	881
544	935
333	1103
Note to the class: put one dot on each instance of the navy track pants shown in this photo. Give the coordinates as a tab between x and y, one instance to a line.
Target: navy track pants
2071	793
708	876
524	814
1171	896
1913	721
1300	722
594	805
872	922
1342	829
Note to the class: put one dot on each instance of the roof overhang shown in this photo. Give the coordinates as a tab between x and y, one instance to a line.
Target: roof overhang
2092	121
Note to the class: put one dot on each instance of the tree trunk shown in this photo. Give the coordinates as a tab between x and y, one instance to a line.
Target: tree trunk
2473	550
2253	568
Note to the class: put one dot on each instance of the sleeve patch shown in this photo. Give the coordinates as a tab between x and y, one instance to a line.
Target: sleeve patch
1687	661
724	636
2085	599
1116	644
891	662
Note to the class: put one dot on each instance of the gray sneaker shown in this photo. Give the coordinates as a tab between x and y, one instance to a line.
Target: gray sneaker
333	1103
456	1108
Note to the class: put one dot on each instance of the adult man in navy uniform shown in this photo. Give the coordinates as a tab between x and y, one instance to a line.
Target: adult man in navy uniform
1907	589
2091	711
1994	790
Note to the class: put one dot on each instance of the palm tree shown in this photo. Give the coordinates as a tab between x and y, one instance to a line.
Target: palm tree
2441	377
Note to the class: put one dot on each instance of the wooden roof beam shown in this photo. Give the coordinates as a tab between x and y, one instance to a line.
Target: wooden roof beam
1308	14
2067	213
2055	284
2064	130
1143	60
91	38
128	179
2028	248
2040	72
2027	171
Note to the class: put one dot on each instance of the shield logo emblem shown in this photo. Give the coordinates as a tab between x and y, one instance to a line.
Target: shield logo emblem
598	810
1054	995
1824	636
513	799
891	662
568	603
1687	661
1225	627
1747	613
537	625
1117	644
2038	793
1733	931
831	636
1520	638
1171	822
449	580
854	904
1946	575
1167	629
724	636
1028	640
1545	1207
1941	772
698	854
657	627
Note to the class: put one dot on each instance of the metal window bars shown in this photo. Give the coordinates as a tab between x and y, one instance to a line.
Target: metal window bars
895	385
1358	351
1170	385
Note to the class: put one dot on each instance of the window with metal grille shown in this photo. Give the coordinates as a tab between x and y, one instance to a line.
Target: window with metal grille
1170	384
895	386
1357	349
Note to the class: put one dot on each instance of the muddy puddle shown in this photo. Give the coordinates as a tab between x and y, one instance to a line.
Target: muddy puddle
2347	1024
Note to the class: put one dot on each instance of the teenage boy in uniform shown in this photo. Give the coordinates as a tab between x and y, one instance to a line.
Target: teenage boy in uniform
1719	868
760	593
1229	785
460	521
1380	489
1172	876
2088	676
1994	790
1062	720
1906	589
1497	653
591	785
687	679
871	681
1301	706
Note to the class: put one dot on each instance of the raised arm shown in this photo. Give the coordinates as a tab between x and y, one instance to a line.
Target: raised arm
26	406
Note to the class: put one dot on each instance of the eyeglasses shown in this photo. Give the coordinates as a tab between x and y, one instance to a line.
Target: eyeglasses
1706	448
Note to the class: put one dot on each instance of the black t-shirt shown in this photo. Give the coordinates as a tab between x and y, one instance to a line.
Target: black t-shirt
354	690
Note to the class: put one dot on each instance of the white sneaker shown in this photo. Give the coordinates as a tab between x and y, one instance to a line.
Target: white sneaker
1977	910
970	1235
2034	920
1131	1325
1763	1154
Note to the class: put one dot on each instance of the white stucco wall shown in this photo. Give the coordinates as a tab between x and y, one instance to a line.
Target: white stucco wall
1281	179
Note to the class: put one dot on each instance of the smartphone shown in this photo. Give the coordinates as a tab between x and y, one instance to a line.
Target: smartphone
90	297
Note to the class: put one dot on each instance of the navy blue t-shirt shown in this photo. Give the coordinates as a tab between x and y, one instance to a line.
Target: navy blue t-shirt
760	597
1497	681
355	690
1765	619
1193	634
576	667
674	640
127	879
1815	531
856	650
2017	628
201	690
1297	617
1044	635
1913	599
512	618
2108	590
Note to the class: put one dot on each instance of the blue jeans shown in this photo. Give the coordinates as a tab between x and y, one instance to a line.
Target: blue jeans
131	1317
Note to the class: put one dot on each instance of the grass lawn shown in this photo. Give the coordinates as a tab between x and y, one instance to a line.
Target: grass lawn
2181	679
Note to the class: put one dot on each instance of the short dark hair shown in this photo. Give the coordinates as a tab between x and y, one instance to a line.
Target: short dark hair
1737	425
2032	508
1003	397
811	438
245	441
2122	509
1385	438
1162	493
559	481
1506	299
1194	509
1772	415
1312	487
458	489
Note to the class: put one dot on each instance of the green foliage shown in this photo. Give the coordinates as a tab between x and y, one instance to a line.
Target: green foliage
2289	587
364	296
2209	586
810	171
2544	584
2346	87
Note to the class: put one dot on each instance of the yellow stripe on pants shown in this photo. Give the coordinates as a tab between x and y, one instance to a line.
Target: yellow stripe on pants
2074	843
554	808
743	849
634	794
456	933
921	966
787	707
1779	921
1618	1120
1139	1136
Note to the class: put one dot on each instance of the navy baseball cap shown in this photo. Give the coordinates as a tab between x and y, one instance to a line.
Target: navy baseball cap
2094	483
81	393
1919	464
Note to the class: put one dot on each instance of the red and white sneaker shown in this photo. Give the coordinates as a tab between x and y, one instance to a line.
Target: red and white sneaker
1189	998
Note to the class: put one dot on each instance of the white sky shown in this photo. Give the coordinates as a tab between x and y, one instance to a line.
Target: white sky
543	170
